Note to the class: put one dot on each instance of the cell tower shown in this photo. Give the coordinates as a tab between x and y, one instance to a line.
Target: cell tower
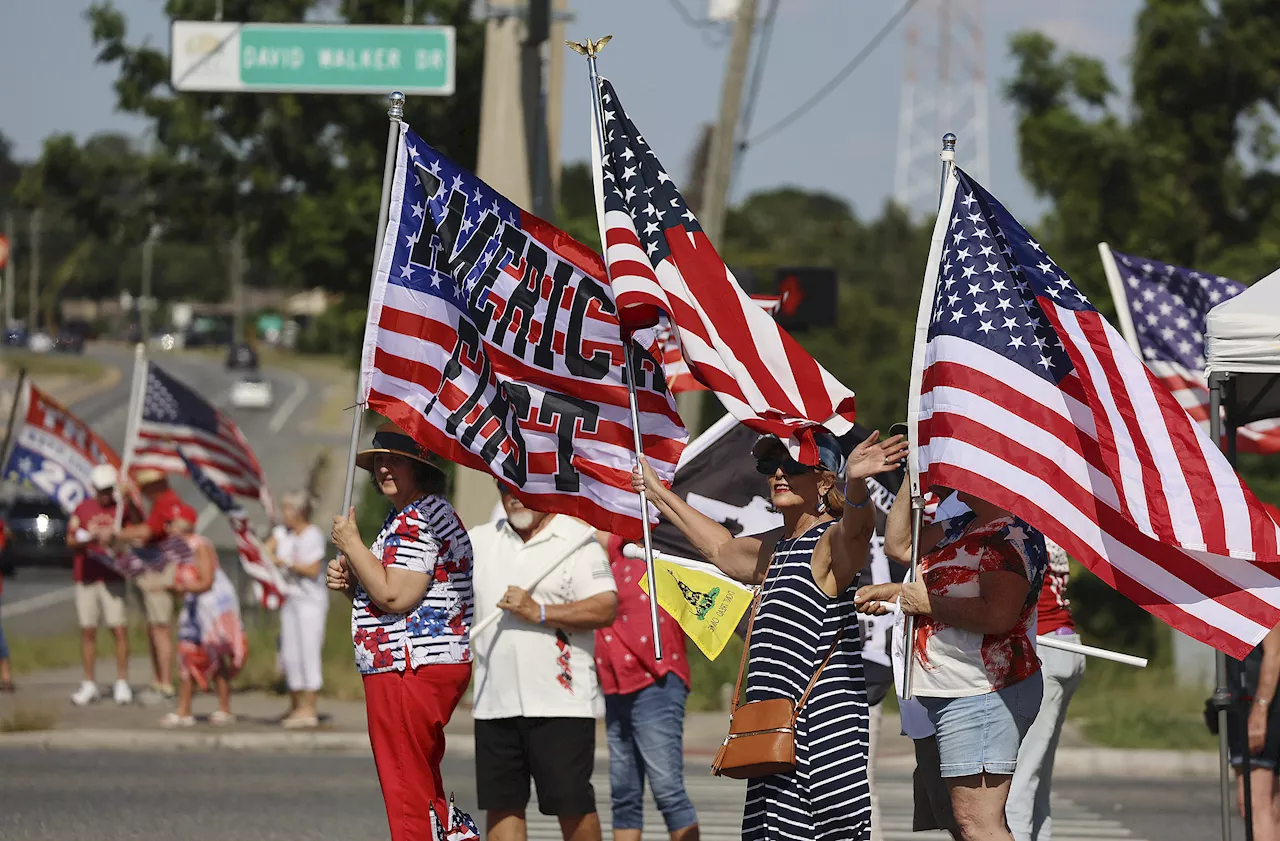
944	88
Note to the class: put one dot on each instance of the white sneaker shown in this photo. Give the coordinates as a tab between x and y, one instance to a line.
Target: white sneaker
122	693
86	694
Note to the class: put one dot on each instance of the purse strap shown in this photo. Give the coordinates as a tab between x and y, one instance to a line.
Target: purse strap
746	655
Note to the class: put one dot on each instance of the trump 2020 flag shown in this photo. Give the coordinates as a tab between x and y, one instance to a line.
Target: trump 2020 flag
493	340
1023	395
54	451
1162	310
660	261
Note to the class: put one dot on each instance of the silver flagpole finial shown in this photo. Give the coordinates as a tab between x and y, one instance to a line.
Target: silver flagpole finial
396	111
948	142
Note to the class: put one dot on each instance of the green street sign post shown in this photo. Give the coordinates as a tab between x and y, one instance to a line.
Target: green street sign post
311	58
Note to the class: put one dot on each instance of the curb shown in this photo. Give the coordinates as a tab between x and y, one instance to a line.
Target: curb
1092	763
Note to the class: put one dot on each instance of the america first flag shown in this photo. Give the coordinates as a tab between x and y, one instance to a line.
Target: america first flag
493	339
660	259
1023	395
1162	310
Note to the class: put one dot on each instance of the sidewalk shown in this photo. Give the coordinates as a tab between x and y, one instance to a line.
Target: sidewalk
43	702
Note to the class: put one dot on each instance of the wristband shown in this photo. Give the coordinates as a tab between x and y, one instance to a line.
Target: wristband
542	614
1262	701
862	504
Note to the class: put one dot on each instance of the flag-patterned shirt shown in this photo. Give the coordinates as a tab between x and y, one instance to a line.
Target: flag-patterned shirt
425	536
955	663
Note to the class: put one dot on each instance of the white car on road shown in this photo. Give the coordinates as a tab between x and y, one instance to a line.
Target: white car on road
251	392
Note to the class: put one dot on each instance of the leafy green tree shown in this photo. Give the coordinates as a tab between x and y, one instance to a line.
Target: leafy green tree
299	174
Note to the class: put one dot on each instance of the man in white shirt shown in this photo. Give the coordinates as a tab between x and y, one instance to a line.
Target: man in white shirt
536	696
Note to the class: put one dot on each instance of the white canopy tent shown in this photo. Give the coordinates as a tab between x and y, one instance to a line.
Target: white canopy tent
1242	353
1242	350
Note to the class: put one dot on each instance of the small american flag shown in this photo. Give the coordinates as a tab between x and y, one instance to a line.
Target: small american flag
1030	400
268	583
659	258
173	416
493	340
1167	307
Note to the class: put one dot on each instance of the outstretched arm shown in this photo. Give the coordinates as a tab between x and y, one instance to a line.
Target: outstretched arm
743	559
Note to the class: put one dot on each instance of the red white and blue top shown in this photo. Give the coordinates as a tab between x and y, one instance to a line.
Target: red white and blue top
425	536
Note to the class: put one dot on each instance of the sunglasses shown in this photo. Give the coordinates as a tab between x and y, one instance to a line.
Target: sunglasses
790	467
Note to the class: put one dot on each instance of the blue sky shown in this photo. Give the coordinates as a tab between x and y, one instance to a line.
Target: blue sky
667	74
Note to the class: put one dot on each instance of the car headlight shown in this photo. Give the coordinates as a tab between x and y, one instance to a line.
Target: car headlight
42	523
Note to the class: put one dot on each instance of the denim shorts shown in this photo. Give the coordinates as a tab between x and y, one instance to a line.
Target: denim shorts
981	733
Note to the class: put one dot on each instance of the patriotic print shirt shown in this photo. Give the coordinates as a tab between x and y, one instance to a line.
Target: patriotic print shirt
1053	613
954	663
426	536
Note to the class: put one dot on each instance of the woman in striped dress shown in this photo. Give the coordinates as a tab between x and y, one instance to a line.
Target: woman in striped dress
806	569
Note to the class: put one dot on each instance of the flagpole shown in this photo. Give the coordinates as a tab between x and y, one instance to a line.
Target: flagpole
137	392
927	294
395	114
591	49
1119	297
19	397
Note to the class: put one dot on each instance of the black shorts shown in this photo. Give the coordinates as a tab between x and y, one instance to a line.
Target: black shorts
932	797
558	753
1269	756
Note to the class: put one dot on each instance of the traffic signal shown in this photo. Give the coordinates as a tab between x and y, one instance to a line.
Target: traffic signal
808	295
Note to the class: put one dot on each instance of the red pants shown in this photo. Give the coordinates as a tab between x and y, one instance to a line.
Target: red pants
407	712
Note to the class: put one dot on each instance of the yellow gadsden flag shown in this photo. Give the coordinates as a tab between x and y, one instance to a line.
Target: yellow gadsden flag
707	607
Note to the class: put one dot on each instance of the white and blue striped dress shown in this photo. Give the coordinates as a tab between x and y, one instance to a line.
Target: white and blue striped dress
827	797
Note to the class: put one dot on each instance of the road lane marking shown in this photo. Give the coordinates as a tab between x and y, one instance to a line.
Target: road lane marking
290	405
40	602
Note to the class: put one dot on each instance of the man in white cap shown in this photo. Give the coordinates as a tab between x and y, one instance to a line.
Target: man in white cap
100	589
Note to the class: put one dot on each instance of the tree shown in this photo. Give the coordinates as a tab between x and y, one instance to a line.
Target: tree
299	174
1185	172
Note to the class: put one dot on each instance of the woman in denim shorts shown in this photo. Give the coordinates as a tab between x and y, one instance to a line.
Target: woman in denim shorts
976	670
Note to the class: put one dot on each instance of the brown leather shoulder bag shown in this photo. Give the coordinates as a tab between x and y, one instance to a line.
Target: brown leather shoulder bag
762	734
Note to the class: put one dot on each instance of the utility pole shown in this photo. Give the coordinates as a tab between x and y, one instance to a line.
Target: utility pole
724	142
10	274
533	94
235	270
145	302
715	187
33	298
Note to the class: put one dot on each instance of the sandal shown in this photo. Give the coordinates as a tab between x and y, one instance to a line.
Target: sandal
300	722
218	718
172	721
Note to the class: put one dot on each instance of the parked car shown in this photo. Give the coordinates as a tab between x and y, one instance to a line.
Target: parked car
40	342
241	357
251	392
37	533
69	341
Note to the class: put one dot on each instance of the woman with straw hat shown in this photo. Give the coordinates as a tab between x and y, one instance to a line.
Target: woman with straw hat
412	607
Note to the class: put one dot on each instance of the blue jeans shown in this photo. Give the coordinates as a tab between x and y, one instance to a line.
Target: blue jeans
646	739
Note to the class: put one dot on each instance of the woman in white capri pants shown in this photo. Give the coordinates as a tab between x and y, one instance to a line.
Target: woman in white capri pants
299	548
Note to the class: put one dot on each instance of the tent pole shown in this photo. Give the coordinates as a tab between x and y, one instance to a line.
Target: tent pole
1221	695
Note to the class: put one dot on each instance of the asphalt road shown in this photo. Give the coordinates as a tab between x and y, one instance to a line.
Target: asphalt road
59	796
38	601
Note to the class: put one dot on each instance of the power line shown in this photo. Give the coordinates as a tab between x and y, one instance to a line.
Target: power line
757	78
838	78
688	18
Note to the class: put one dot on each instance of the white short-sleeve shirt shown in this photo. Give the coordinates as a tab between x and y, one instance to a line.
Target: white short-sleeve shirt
303	549
529	670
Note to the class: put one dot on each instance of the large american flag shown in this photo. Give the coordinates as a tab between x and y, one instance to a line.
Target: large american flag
659	258
268	582
1167	307
174	415
492	339
1030	400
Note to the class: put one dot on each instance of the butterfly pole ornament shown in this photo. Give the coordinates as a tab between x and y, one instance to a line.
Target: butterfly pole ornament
395	114
923	318
591	49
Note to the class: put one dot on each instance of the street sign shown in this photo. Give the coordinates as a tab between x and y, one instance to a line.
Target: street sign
809	297
311	58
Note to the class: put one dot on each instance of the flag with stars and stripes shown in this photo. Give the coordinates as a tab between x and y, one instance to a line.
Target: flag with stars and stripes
268	581
493	340
661	261
174	415
1029	399
1162	310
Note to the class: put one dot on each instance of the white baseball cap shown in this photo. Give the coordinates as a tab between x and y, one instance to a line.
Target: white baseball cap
103	477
